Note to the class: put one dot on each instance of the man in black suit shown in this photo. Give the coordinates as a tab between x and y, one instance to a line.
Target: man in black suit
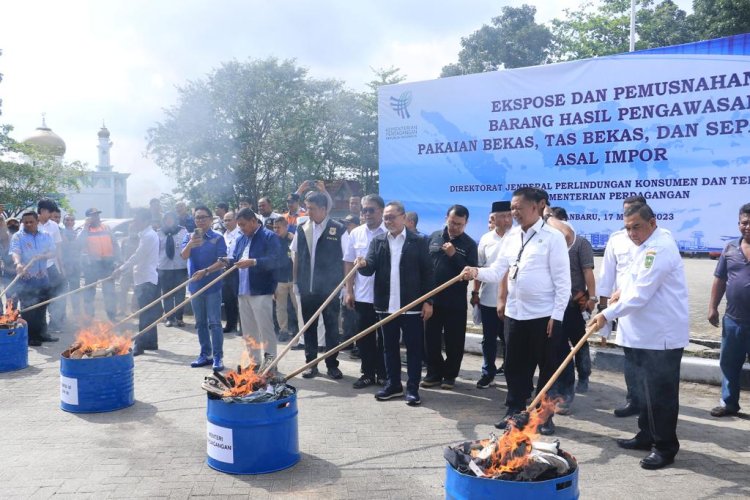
403	271
318	269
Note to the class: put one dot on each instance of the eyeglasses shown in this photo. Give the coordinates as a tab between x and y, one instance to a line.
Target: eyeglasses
202	217
369	210
392	217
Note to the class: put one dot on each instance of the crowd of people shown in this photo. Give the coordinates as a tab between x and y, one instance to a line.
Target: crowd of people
534	291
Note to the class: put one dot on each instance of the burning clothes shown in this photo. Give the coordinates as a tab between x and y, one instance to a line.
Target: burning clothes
10	319
247	384
97	342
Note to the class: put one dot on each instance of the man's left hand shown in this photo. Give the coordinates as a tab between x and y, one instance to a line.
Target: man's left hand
550	327
426	311
449	249
245	263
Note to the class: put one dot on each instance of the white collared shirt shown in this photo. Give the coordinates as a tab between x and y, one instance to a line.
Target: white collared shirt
358	244
653	304
617	256
317	233
488	250
542	284
145	259
396	245
230	238
50	227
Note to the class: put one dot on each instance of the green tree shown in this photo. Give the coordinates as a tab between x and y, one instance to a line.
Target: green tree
718	18
257	128
513	40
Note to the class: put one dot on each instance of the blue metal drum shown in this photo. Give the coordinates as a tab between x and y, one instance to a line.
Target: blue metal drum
14	348
96	385
252	438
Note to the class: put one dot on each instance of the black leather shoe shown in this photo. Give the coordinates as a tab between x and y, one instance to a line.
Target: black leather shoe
35	342
335	373
633	444
627	410
656	460
47	338
547	428
310	373
502	424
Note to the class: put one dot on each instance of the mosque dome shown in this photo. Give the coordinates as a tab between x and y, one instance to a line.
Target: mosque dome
46	141
103	133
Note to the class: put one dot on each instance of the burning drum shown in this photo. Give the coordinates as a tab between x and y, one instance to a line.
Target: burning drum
14	350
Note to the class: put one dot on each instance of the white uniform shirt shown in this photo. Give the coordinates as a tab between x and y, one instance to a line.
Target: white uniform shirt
145	259
616	260
230	238
653	305
396	245
488	250
357	245
542	284
50	227
272	215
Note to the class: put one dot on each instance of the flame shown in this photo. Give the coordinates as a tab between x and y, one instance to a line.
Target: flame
246	378
100	336
513	448
11	314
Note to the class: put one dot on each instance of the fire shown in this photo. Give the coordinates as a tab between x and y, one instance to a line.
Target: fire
512	451
99	337
11	314
247	377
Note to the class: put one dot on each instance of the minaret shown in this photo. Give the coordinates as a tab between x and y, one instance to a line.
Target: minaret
104	146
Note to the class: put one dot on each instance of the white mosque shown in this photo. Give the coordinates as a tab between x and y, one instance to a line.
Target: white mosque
103	188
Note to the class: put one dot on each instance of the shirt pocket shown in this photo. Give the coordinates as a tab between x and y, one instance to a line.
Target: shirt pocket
360	250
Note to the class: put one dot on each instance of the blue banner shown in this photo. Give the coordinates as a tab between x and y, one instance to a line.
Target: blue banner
673	127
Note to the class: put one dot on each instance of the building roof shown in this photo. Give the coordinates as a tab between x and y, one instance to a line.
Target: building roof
46	141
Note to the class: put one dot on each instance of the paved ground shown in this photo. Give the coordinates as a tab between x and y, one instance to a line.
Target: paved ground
352	446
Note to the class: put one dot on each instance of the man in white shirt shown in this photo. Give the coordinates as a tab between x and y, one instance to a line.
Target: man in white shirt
359	291
143	264
484	294
617	256
230	284
45	209
535	256
266	213
652	305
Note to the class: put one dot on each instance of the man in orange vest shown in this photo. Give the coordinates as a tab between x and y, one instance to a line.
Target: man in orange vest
100	254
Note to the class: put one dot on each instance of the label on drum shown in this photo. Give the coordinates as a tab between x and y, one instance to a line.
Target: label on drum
69	390
219	443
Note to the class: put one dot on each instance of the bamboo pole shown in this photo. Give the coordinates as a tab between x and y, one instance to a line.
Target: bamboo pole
374	327
156	301
65	294
592	329
18	276
310	321
192	296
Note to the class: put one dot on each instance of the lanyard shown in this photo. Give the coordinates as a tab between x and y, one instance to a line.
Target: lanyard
523	245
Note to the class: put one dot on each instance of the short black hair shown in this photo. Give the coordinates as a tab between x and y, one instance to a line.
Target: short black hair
642	209
279	220
635	199
56	210
528	193
205	209
375	198
397	205
46	204
317	198
246	214
30	213
223	206
268	200
559	213
745	209
542	195
293	197
458	211
412	216
245	199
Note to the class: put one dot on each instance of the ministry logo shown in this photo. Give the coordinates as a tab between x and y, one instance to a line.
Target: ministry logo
401	104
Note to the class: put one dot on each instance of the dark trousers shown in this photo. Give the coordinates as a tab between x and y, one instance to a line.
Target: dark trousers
350	322
56	309
73	282
658	372
448	325
528	348
492	330
28	295
95	270
574	328
410	327
168	280
634	389
145	293
371	347
310	304
229	289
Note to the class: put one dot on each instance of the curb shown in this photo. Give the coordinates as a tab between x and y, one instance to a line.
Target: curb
692	369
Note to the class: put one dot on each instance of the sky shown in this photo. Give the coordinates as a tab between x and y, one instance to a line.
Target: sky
118	62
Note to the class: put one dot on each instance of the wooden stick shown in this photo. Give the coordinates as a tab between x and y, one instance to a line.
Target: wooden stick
310	321
18	276
192	296
589	332
63	295
374	327
156	301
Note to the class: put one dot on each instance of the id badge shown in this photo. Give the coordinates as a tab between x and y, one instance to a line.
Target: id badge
512	272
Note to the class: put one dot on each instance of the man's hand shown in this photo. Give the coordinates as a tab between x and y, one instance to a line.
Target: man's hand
474	298
360	262
200	274
469	273
426	311
245	263
550	327
349	301
614	297
449	249
501	310
597	322
320	185
713	316
591	304
20	270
